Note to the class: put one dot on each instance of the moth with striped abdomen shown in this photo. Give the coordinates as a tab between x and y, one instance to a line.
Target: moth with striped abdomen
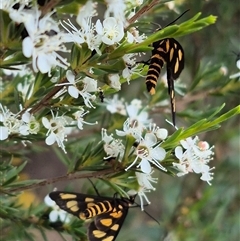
109	213
167	51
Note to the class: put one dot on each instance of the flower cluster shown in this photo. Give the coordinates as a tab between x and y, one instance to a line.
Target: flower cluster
194	158
193	155
11	124
148	137
57	126
109	32
44	39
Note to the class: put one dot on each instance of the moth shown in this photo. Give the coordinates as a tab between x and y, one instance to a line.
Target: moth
108	213
170	52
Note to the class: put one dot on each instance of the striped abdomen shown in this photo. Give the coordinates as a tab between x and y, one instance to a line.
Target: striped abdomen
96	209
159	57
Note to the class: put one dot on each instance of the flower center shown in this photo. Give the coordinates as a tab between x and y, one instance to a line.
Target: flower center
142	151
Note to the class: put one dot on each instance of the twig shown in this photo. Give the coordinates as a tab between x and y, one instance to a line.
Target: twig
49	6
47	97
143	11
67	177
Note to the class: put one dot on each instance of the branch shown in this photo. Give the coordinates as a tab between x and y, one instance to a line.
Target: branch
67	177
43	102
143	11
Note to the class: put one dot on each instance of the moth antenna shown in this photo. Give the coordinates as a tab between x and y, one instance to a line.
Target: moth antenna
177	18
94	186
149	215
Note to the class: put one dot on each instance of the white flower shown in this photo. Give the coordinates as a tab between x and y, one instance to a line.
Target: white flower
129	59
130	128
84	35
86	12
134	37
137	121
44	39
89	85
137	113
56	213
30	126
170	5
149	151
161	133
145	181
111	31
114	81
10	123
128	72
7	5
116	105
113	147
79	117
116	9
194	158
56	130
131	67
72	88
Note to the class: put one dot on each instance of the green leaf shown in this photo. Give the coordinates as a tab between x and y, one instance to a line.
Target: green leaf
199	127
12	174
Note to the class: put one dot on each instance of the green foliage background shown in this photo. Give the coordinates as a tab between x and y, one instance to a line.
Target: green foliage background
187	208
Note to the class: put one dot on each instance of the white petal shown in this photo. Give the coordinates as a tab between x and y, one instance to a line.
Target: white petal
99	27
49	202
24	130
132	111
238	64
53	216
50	139
3	133
109	22
162	133
107	40
197	166
26	117
73	91
31	23
63	216
150	139
130	37
158	153
181	168
46	122
2	118
27	47
43	63
143	116
70	77
179	152
126	73
145	166
80	125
